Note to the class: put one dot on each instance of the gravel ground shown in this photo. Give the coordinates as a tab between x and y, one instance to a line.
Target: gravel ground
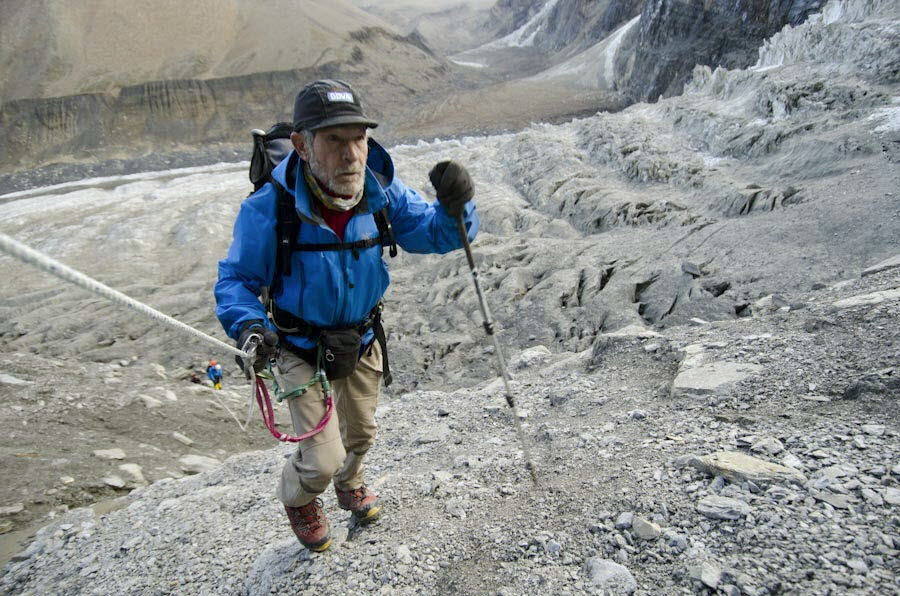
614	445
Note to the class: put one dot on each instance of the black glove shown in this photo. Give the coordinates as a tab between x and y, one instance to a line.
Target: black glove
453	186
265	349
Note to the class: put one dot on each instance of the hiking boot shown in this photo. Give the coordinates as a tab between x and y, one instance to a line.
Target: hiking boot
361	501
310	525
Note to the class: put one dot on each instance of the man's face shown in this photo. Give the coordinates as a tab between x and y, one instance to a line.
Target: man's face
337	157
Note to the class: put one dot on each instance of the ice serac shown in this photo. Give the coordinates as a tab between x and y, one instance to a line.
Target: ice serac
676	35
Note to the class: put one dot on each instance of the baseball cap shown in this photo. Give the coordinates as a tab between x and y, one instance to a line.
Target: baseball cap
328	103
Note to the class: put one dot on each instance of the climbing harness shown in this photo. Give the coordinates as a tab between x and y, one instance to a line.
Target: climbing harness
260	393
264	401
501	361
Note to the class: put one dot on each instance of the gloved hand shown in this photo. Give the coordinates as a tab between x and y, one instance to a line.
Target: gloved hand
265	349
453	186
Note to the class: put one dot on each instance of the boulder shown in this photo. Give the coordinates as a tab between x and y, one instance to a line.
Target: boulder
711	378
531	357
609	576
196	464
738	467
890	263
715	507
868	299
114	453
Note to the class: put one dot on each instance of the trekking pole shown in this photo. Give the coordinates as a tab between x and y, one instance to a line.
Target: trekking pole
501	361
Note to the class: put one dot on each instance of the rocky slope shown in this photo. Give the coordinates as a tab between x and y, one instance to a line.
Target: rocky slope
644	50
53	48
447	26
161	116
676	280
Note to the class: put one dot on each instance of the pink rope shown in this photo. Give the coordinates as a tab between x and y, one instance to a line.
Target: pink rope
268	415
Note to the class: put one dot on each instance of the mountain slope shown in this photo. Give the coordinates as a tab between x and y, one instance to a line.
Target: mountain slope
53	48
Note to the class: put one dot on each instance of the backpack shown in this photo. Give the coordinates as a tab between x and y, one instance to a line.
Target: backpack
269	149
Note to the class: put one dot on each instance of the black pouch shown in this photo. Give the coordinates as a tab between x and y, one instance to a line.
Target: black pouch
340	352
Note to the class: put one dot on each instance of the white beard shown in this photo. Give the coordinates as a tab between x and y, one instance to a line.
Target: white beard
349	188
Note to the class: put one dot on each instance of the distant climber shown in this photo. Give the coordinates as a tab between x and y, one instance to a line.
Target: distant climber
214	372
333	203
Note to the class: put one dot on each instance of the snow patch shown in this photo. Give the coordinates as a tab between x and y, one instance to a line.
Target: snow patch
469	64
524	35
595	66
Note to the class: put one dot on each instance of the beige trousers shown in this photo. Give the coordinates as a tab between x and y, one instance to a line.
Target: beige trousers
337	452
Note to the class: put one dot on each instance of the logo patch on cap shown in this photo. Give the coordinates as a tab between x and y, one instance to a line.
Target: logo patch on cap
339	96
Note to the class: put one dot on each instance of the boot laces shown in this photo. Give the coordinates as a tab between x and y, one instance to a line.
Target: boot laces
355	495
311	514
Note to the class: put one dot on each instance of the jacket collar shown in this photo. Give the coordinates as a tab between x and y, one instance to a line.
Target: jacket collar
379	175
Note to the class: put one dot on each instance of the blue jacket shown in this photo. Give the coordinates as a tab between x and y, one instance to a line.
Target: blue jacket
327	288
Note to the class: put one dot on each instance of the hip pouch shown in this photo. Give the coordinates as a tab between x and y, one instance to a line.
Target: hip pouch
340	350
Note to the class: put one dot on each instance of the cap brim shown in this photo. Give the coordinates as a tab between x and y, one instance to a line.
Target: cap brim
343	120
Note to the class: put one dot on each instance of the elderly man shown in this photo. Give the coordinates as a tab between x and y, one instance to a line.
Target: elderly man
319	306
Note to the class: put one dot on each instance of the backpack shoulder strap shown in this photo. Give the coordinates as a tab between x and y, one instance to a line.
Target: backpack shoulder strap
386	230
287	225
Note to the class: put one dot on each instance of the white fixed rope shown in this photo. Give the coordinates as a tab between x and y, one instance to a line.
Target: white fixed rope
30	256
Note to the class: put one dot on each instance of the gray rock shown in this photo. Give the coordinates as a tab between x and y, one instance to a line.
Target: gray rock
835	500
645	530
531	357
716	507
768	445
872	497
870	299
675	540
738	467
6	379
876	430
432	436
170	395
885	265
624	521
792	461
196	464
638	414
706	572
404	555
12	509
838	471
114	481
114	453
610	576
857	565
456	508
134	472
891	495
150	402
711	378
182	439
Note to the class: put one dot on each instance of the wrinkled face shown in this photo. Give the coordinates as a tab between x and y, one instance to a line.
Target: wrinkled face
337	156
